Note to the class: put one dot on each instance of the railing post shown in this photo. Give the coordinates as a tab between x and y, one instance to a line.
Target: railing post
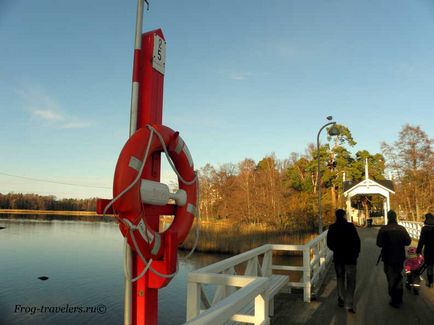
323	249
261	311
267	263
306	273
193	300
316	257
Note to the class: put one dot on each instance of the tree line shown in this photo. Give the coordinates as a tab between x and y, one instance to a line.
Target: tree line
284	192
49	202
411	160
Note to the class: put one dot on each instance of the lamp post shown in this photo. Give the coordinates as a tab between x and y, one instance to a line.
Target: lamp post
333	131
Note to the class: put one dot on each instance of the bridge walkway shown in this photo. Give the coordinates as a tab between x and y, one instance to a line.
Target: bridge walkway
371	298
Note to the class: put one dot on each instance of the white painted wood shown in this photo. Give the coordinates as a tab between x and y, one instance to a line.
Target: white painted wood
223	290
266	268
244	318
221	279
271	307
306	274
385	209
234	260
368	187
220	294
230	289
287	268
316	239
193	300
388	208
261	310
296	284
277	282
204	298
413	228
225	309
316	259
252	267
279	247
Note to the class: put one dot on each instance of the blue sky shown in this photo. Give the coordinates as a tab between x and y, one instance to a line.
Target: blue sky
243	79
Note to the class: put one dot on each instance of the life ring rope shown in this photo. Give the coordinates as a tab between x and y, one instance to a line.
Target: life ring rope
159	136
131	227
139	173
147	264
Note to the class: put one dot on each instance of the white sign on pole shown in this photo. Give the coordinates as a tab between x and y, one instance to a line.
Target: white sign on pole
159	57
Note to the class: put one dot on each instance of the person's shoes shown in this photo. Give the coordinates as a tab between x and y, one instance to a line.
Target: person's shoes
340	302
351	310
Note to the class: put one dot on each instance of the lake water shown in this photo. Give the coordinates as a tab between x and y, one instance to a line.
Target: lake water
84	263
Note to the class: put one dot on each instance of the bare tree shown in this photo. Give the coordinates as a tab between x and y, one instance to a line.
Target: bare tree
411	159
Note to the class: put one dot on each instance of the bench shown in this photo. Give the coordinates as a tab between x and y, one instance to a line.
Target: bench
277	282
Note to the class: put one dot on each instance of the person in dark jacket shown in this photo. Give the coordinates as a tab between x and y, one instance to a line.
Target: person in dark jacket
392	239
427	240
343	240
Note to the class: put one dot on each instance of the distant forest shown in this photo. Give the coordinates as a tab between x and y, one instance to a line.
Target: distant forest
39	202
284	192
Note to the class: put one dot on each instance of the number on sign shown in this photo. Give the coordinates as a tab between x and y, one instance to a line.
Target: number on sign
159	54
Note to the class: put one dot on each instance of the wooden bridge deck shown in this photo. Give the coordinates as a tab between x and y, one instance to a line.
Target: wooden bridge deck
371	298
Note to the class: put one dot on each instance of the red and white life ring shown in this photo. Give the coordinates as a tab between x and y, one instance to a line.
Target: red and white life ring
127	201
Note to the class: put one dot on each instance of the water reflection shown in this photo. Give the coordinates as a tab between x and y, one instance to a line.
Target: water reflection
83	261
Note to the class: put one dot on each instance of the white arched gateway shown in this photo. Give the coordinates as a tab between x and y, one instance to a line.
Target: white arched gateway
354	191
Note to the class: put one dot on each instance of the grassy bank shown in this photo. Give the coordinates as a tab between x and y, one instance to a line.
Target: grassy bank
215	236
225	237
48	212
47	215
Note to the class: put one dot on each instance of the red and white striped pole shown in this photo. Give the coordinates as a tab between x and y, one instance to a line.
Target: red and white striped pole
135	83
141	296
133	127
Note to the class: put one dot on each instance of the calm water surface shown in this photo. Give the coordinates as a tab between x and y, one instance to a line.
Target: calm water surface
83	261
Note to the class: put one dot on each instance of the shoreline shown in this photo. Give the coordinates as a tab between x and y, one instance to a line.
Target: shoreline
51	215
218	237
62	215
49	212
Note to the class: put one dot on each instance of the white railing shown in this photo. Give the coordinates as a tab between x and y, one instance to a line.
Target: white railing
413	228
241	282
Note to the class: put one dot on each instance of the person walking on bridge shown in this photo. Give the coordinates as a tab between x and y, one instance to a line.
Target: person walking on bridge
392	239
344	241
427	239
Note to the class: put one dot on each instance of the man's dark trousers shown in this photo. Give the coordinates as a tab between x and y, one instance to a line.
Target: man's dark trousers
346	273
394	280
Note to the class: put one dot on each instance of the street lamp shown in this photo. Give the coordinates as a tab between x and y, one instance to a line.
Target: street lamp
333	131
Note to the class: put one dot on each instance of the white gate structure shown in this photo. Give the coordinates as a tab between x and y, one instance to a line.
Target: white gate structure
366	187
413	228
248	297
